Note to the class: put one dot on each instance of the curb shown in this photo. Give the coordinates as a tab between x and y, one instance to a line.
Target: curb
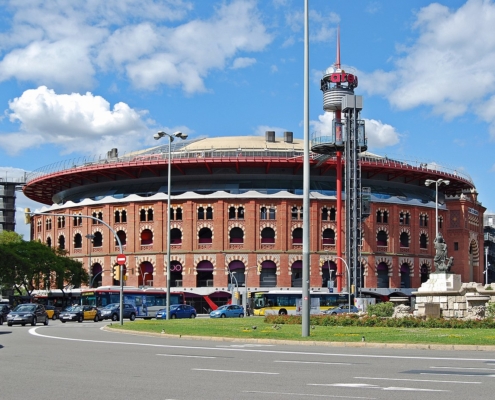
369	345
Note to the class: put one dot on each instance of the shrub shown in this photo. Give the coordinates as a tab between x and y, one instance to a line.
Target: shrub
381	309
490	310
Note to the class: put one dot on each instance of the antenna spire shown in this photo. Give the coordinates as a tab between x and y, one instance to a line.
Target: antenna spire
337	62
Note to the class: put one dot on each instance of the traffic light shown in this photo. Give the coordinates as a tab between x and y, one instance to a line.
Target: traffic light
27	216
236	294
116	272
249	294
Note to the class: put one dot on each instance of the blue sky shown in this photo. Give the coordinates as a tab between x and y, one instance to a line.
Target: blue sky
80	78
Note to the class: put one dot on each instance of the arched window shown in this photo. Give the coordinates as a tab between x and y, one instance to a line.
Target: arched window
142	215
405	279
204	277
295	213
178	214
98	239
236	235
175	236
231	212
49	242
122	236
117	217
385	217
333	214
379	216
328	236
150	214
77	241
268	276
240	213
404	239
176	274
324	214
382	238
201	213
296	277
61	242
425	275
267	235
146	237
209	213
423	241
205	235
297	235
123	216
263	213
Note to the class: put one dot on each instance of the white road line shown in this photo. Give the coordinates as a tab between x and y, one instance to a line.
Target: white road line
311	362
235	372
462	368
182	355
33	331
475	375
309	395
365	386
412	380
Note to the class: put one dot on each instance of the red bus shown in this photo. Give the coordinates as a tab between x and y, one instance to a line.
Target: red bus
146	301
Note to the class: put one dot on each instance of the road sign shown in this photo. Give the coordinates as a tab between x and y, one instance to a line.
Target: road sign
121	259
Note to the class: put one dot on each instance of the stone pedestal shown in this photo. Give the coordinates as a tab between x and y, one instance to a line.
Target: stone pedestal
441	283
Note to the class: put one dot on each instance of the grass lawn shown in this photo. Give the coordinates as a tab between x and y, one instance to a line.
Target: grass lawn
256	328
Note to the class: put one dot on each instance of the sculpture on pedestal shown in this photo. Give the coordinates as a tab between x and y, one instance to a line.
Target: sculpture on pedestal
442	262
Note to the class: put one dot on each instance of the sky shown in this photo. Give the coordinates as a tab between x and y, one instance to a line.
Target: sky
79	78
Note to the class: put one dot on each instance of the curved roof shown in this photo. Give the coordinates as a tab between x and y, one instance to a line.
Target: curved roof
248	156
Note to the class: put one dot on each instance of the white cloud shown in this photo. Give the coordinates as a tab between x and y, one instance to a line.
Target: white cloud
243	62
450	67
379	135
65	46
84	123
261	129
322	26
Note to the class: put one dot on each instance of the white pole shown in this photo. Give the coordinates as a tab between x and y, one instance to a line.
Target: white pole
486	265
169	177
436	206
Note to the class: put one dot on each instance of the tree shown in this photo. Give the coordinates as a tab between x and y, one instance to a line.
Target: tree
33	265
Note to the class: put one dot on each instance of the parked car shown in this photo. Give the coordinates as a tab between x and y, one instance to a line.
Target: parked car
228	311
52	312
27	314
80	313
177	311
112	311
343	309
4	310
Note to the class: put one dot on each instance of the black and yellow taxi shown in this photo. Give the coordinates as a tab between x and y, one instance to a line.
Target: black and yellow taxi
80	314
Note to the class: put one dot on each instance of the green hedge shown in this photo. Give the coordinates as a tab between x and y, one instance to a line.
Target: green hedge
367	321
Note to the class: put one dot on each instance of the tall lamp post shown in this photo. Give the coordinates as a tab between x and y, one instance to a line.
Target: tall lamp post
437	183
171	138
90	237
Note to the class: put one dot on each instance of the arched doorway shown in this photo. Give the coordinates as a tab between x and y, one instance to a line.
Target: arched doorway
145	277
175	274
296	277
268	276
238	269
425	275
328	274
405	279
95	276
204	278
382	280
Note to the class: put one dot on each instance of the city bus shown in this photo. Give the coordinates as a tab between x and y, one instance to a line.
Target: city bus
146	301
285	302
55	297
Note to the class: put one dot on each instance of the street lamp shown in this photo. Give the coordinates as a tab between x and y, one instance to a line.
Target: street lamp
95	275
144	278
236	287
348	279
90	237
171	138
437	183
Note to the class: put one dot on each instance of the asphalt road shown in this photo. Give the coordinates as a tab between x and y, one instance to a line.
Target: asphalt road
81	361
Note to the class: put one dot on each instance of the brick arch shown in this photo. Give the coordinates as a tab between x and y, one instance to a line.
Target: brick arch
268	257
409	262
143	227
121	228
49	236
173	257
293	258
427	263
384	229
238	225
406	230
421	232
236	257
268	225
385	260
366	265
295	226
333	227
141	259
205	206
101	261
475	252
176	226
205	225
74	233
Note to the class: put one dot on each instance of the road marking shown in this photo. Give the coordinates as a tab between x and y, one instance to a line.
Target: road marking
308	395
475	375
235	372
33	331
411	380
183	355
462	368
366	386
312	362
245	345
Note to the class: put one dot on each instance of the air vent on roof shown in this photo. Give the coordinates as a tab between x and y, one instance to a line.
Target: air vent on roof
288	137
114	153
270	136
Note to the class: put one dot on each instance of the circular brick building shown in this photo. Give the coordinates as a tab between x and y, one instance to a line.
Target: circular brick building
236	205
